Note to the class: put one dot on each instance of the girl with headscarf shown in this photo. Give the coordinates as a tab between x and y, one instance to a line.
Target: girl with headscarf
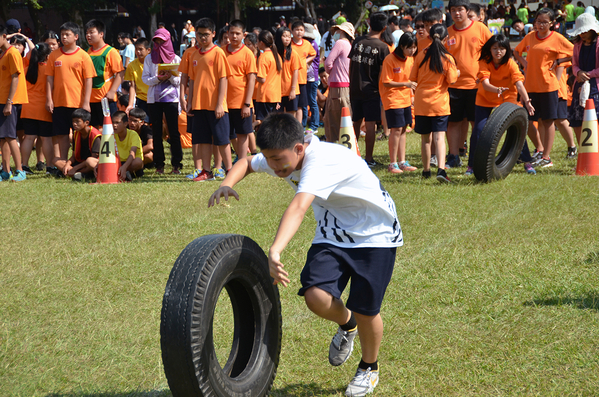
163	99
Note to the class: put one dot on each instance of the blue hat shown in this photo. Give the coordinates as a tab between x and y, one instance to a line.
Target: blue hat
13	22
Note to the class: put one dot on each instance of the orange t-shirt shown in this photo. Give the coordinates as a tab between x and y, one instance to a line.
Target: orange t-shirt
206	70
106	68
242	63
36	108
505	75
465	46
540	54
11	62
563	83
431	97
395	69
270	90
184	64
423	43
287	69
70	72
304	49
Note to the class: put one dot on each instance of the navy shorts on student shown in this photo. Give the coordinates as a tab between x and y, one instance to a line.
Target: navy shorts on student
288	105
545	104
207	129
461	103
397	118
61	121
190	119
329	268
263	109
302	99
238	124
562	108
37	128
98	115
427	124
8	124
369	110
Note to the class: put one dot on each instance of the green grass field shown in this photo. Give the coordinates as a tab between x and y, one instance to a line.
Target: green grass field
495	292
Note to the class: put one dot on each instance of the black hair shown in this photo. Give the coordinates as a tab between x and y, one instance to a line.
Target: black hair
205	23
406	40
18	39
81	114
437	52
515	21
95	23
125	86
38	54
124	35
50	34
237	24
72	26
547	11
284	52
138	113
258	28
378	21
124	100
121	114
475	8
404	22
268	40
252	38
279	131
432	15
503	41
309	20
459	3
143	41
297	24
387	36
224	30
321	69
393	19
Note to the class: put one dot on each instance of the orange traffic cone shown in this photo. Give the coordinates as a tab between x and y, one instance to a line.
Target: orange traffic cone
347	136
109	161
588	151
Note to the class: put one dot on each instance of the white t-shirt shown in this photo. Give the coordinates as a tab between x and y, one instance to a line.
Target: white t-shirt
128	52
324	49
351	207
396	36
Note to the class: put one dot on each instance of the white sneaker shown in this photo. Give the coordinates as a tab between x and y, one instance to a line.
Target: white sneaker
433	161
341	346
363	383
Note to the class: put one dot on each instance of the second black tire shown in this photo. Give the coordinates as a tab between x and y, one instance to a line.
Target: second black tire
205	267
491	162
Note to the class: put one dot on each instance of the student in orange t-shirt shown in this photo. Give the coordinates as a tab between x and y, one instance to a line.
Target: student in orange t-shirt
268	80
240	88
184	67
307	54
37	121
289	73
500	81
69	73
396	89
545	51
434	70
207	99
562	123
13	93
109	70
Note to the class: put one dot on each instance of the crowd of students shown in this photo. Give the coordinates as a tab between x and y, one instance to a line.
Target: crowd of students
413	71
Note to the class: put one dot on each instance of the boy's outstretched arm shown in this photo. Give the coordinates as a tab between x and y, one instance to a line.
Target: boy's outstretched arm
240	170
290	223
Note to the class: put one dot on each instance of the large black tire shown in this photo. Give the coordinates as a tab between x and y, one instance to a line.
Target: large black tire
489	163
206	266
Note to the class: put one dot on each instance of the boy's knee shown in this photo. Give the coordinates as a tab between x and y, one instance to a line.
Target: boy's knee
315	296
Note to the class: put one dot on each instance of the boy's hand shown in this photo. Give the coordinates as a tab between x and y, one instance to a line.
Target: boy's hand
7	109
276	269
219	112
122	173
223	191
50	106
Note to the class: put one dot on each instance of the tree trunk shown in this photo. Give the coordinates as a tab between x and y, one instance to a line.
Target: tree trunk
38	27
153	20
236	10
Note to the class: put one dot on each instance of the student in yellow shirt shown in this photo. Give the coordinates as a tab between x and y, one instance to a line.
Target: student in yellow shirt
138	93
129	147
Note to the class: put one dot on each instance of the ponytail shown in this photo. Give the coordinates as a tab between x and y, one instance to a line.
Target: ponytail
436	53
266	38
38	54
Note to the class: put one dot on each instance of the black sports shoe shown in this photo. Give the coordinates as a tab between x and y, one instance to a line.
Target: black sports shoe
426	174
27	170
572	152
40	166
442	176
371	163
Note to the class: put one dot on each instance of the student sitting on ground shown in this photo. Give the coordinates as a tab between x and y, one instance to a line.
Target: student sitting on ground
86	148
137	124
129	147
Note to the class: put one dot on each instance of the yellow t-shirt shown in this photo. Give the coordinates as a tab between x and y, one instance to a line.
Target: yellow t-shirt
124	146
133	73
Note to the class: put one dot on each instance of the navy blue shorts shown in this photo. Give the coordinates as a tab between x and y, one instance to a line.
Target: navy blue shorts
397	118
562	108
287	105
190	119
8	124
239	125
427	124
461	103
302	99
61	121
545	104
369	110
98	115
330	268
263	109
37	127
208	130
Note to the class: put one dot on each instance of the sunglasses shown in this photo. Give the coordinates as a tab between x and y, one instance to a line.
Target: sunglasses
419	26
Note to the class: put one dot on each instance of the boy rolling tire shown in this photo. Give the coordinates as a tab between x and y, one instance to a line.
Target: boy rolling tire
491	161
206	266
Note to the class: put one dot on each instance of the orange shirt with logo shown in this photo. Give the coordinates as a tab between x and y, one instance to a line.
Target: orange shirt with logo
206	70
397	70
70	72
242	63
114	65
465	46
11	62
270	90
506	75
184	64
287	74
304	49
36	108
540	55
431	97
